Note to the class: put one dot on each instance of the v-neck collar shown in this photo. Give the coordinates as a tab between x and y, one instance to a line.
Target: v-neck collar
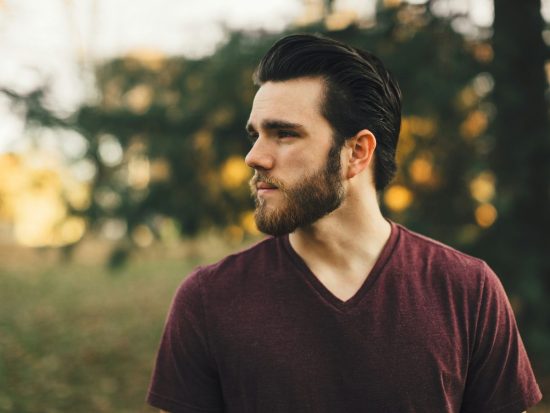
318	287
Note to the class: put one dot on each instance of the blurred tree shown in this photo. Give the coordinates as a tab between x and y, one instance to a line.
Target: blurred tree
179	125
519	242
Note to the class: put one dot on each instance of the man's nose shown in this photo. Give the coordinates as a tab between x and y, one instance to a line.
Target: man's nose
260	156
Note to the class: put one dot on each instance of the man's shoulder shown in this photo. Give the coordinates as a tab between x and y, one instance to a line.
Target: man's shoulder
443	268
235	270
258	254
432	256
432	248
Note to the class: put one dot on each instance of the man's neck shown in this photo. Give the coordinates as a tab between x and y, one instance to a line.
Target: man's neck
341	248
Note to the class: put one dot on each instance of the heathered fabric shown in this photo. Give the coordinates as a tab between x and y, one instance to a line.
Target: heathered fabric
430	330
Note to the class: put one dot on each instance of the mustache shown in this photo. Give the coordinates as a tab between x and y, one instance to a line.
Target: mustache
260	177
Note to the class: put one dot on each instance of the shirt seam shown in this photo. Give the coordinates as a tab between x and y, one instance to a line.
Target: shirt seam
476	333
436	243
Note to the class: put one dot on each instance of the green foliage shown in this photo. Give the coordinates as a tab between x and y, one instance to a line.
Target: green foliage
192	121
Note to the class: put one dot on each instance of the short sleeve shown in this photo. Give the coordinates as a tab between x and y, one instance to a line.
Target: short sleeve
500	378
185	379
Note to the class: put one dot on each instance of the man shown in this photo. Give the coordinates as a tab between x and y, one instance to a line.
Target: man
341	310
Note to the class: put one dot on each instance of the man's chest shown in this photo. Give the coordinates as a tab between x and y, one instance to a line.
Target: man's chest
386	353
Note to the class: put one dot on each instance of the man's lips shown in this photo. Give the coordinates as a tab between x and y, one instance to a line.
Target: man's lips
264	185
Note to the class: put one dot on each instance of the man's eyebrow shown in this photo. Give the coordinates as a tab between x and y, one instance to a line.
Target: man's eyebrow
271	124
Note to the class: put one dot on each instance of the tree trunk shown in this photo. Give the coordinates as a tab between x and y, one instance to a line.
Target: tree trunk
521	159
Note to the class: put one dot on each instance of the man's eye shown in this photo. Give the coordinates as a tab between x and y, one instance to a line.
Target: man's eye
253	137
287	134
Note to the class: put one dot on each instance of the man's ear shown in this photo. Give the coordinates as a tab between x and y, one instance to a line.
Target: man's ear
361	152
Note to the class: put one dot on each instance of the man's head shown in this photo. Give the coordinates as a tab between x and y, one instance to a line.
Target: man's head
317	95
360	93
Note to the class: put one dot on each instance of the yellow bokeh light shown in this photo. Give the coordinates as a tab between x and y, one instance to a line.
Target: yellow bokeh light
13	178
421	170
71	230
139	99
234	234
422	126
398	198
392	3
139	172
483	52
467	98
340	20
142	236
249	223
406	142
474	125
234	172
112	92
486	215
482	187
202	139
35	200
411	127
160	170
79	196
36	216
149	58
313	12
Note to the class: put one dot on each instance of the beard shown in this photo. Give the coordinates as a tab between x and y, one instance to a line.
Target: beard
317	195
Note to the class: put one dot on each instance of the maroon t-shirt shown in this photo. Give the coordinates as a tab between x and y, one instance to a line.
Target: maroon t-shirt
430	330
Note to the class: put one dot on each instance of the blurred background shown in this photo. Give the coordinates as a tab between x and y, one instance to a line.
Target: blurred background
122	165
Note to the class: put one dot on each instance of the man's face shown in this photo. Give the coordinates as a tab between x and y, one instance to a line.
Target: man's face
297	176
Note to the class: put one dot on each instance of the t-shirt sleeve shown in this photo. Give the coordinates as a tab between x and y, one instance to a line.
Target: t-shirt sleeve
500	378
185	379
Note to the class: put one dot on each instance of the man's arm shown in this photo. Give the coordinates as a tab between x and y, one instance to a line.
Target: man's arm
500	376
185	375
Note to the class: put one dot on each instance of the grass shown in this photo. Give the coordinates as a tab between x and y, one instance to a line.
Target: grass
80	339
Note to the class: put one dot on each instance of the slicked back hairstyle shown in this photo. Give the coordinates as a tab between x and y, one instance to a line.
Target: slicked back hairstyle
360	93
